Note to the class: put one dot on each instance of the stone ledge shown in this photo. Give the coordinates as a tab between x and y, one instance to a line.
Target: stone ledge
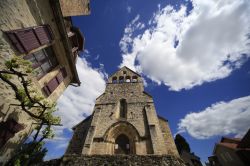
117	160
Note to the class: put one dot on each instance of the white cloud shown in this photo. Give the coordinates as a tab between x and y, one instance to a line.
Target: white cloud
221	118
127	39
86	53
77	102
129	8
183	51
97	57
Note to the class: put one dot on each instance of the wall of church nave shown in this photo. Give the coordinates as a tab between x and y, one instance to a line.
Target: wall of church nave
138	148
141	148
101	148
168	138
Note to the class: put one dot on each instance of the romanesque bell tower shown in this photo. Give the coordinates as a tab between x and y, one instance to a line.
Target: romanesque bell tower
124	121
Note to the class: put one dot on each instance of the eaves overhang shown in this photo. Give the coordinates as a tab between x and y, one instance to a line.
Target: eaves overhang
55	5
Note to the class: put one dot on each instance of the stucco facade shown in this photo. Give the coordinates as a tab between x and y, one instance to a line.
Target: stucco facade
124	121
28	16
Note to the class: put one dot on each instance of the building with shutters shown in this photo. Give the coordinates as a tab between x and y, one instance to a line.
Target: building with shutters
124	121
190	159
231	152
40	31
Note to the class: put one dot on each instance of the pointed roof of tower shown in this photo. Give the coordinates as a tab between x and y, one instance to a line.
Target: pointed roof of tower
124	68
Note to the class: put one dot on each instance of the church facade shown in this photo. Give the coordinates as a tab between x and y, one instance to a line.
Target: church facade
124	121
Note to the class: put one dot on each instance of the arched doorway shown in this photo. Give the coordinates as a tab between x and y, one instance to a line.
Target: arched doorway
121	138
122	145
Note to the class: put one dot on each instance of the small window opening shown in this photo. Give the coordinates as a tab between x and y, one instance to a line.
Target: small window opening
134	79
114	80
128	79
123	108
121	79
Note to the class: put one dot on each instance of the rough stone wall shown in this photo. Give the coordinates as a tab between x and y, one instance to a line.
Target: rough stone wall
17	15
168	138
155	131
74	7
118	160
108	103
80	132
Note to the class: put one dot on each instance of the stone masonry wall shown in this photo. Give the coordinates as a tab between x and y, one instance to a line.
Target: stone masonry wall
141	124
77	142
18	14
74	7
117	160
168	138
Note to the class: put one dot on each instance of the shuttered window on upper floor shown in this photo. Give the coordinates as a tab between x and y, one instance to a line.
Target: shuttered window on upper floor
43	61
54	82
25	40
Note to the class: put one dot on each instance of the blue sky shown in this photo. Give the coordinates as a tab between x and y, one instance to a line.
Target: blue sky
193	56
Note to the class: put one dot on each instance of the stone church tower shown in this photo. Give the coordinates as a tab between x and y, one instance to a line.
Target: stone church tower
124	121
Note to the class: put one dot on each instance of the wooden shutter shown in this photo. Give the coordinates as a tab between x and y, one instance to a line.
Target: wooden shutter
52	84
14	40
63	71
43	34
8	130
28	39
46	90
59	77
13	126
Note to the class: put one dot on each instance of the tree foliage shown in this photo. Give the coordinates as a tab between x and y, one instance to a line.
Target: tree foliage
181	144
17	74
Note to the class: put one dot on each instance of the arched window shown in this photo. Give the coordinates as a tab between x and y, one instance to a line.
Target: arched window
128	79
134	79
122	145
123	108
114	80
121	79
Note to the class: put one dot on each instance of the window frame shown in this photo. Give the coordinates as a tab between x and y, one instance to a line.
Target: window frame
51	59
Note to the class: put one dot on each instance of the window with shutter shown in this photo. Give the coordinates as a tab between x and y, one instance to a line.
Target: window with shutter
28	39
8	130
43	61
46	91
43	34
59	77
13	38
54	83
63	71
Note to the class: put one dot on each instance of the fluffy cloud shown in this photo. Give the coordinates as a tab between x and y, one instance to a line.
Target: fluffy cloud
129	8
184	50
127	39
221	118
76	103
